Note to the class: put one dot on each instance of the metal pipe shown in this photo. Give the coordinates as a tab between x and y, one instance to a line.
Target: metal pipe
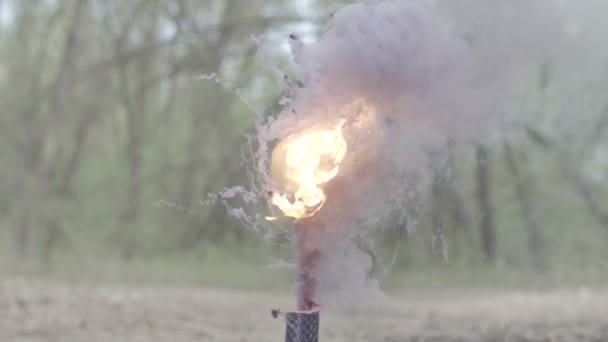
302	326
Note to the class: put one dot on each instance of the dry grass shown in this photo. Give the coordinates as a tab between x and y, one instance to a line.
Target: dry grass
53	311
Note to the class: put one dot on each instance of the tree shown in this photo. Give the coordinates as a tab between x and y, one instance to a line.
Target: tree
487	229
524	186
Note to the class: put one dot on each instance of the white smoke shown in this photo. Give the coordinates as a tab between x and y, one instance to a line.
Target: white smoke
419	75
413	76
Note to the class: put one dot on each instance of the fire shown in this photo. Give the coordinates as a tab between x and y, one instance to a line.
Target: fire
308	160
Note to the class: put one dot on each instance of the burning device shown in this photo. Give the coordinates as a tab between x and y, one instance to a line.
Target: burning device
310	170
302	164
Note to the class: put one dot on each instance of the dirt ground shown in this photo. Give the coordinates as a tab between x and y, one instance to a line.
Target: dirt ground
35	310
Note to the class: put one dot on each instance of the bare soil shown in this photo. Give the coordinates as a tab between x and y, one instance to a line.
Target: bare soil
43	310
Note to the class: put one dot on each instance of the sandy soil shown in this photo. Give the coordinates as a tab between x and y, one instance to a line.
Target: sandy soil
54	311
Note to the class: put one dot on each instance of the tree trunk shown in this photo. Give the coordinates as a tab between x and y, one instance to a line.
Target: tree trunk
572	175
439	247
524	187
486	227
38	190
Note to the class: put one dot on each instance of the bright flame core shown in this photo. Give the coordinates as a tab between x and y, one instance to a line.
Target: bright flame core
311	159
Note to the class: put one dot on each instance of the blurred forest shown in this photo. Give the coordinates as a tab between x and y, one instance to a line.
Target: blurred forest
110	141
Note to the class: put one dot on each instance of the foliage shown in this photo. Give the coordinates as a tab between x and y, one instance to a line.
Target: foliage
110	143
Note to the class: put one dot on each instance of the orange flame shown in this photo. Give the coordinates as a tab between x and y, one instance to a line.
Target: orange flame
311	159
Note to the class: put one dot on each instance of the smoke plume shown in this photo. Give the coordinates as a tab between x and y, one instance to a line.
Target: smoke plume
412	77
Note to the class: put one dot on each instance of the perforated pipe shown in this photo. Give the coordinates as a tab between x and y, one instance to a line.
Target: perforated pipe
301	326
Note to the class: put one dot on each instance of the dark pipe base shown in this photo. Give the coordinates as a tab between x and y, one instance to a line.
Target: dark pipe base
302	326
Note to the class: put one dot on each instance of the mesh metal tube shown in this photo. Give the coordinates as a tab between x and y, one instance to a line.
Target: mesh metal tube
302	326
